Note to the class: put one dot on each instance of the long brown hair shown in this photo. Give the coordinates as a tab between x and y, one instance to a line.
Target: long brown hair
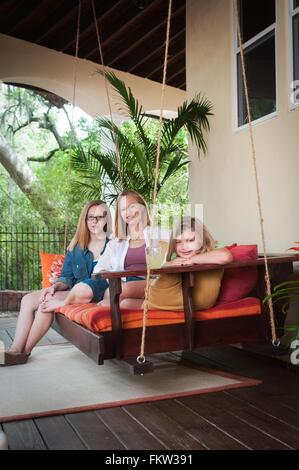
120	227
196	226
82	235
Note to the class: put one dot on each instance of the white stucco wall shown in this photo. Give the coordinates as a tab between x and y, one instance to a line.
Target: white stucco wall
27	63
223	181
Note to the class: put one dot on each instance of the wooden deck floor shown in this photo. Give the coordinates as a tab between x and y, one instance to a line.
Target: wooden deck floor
261	417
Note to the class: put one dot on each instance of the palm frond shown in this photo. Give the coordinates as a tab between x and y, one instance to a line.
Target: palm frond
194	117
86	191
130	104
175	165
88	180
132	154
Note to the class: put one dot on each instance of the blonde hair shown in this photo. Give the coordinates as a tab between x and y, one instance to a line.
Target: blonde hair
82	235
196	226
120	227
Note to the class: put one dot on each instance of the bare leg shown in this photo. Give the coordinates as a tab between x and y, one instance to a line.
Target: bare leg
40	326
29	304
130	290
106	299
80	294
134	304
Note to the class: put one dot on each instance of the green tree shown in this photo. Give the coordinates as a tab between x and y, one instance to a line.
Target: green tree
34	157
128	156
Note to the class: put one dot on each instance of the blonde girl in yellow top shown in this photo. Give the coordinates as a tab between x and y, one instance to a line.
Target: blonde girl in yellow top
190	243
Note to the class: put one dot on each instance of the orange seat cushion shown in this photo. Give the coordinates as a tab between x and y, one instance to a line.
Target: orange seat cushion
98	319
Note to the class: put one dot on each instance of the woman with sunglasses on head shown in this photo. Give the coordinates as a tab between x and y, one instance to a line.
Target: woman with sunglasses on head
73	286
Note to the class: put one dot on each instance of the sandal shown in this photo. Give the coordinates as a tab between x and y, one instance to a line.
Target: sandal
12	358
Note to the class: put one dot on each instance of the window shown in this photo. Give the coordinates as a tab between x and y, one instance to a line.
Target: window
295	51
258	28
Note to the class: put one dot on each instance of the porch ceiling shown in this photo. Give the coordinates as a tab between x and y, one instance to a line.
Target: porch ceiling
132	37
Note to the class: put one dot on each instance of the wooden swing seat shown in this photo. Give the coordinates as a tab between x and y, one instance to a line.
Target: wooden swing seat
111	333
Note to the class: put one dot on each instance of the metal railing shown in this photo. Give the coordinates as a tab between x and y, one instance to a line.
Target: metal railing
20	267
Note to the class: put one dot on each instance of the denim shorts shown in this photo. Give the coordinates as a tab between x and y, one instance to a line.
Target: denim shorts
98	287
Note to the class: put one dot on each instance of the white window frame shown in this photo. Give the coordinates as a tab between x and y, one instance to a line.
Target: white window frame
236	51
292	13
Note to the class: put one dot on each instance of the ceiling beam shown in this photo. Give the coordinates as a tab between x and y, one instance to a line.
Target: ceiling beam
35	13
181	85
153	7
171	60
7	10
100	16
125	51
176	74
172	70
132	40
71	15
146	58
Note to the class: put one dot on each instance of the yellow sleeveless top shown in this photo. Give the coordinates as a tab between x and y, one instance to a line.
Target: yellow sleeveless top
166	291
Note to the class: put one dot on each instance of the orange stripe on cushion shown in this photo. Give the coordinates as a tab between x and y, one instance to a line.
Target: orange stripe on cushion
98	319
238	308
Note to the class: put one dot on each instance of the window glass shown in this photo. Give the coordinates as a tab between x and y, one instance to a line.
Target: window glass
296	4
255	16
261	79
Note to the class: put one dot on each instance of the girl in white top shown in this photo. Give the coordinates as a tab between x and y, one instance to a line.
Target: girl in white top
128	250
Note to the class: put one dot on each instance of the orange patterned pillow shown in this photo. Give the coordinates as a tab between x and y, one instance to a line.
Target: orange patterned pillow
51	267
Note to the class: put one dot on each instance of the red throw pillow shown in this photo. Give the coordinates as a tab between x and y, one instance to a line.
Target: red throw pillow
51	267
238	283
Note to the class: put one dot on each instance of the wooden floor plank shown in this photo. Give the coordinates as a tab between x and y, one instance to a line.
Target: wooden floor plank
267	403
244	363
263	417
197	427
93	432
58	434
249	436
271	431
289	401
272	414
23	435
170	433
128	431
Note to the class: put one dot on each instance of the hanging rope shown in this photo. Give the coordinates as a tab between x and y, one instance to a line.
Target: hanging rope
72	135
106	88
275	341
141	357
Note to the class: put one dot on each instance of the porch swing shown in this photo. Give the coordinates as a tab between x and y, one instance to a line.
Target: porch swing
114	334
